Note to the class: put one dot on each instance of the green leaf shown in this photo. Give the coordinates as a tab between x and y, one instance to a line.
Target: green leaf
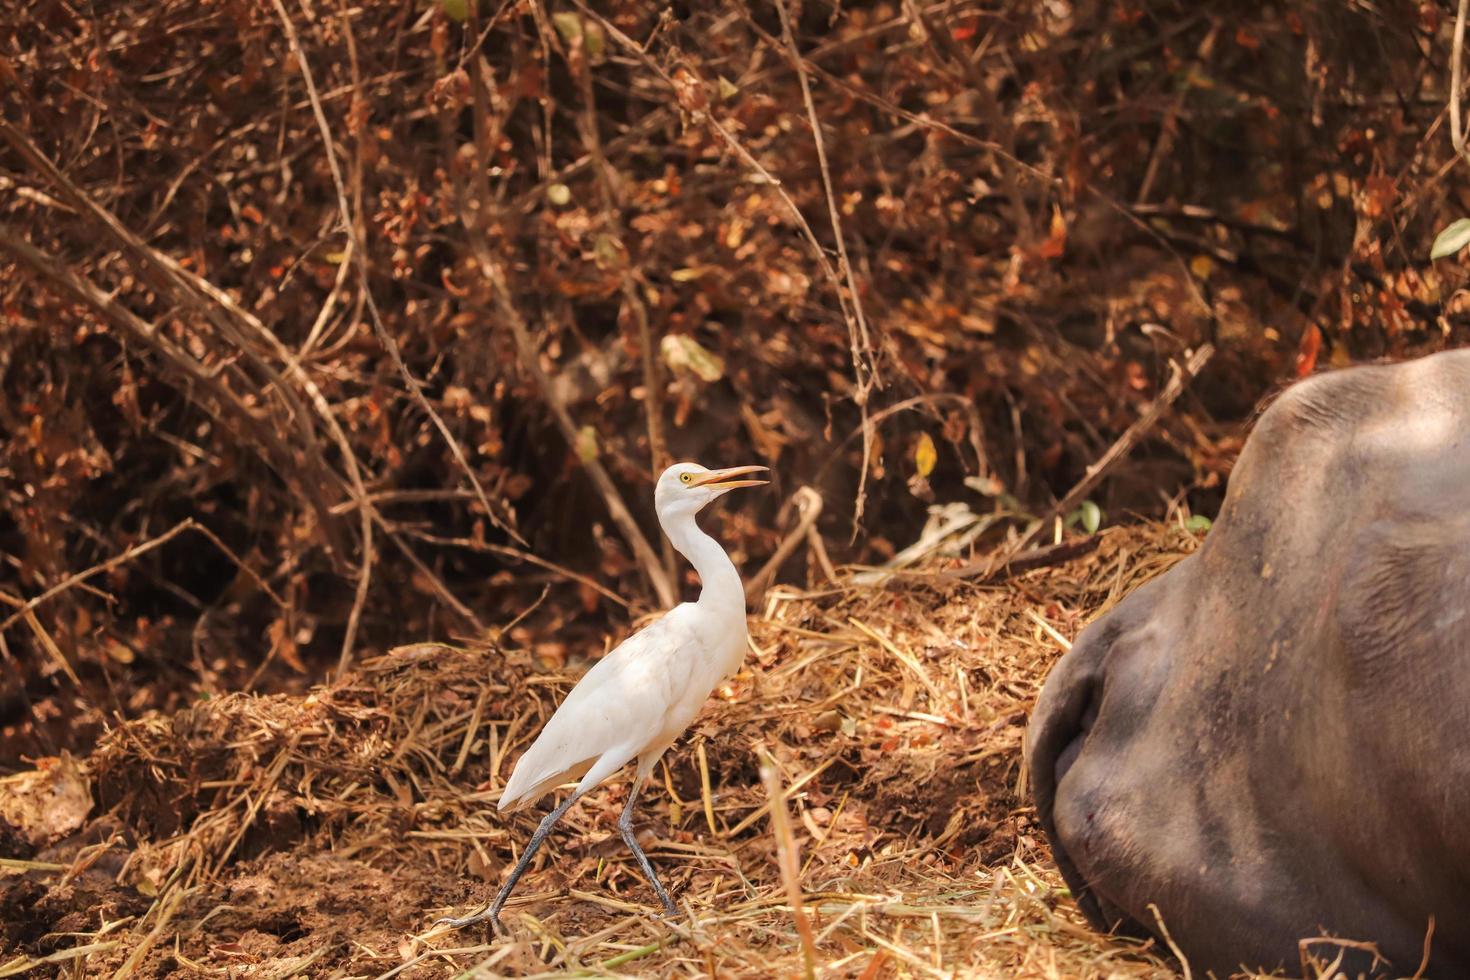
458	10
685	354
728	90
1198	523
594	42
1451	240
586	447
569	26
1091	515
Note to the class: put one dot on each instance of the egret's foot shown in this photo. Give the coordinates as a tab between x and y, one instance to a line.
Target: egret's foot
495	924
670	913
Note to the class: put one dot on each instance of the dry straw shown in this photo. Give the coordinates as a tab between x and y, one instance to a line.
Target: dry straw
846	807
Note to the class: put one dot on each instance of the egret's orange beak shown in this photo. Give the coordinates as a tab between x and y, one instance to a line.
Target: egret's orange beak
721	479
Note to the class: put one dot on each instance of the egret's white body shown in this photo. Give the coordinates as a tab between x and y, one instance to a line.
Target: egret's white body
633	703
638	699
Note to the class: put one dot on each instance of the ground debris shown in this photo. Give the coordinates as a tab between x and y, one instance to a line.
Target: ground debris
322	833
41	805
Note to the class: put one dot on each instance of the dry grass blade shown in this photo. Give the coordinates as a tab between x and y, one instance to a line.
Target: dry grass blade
705	795
904	658
790	862
1061	641
16	864
162	912
76	955
1428	945
1169	940
1457	56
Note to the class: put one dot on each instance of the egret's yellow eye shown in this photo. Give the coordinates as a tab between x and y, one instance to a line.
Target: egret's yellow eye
685	477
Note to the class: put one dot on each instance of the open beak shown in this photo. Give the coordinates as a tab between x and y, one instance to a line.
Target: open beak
722	479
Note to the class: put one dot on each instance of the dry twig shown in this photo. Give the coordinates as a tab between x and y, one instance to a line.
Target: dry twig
509	315
192	377
1118	451
863	365
658	452
137	550
808	509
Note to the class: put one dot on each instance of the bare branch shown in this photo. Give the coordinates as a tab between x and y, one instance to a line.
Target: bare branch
354	233
865	378
507	313
1119	451
235	323
192	376
861	344
136	551
658	453
808	508
1457	56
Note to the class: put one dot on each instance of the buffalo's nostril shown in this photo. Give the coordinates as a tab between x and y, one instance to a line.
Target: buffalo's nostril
1073	746
1065	715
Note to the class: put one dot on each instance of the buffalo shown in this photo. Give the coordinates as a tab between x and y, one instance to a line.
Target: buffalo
1264	752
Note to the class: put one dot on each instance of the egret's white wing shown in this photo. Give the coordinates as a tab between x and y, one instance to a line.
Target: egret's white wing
621	706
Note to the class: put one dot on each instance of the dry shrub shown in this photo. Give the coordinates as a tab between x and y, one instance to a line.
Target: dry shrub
1041	204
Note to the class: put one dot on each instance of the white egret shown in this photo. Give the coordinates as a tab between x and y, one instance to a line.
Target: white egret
638	699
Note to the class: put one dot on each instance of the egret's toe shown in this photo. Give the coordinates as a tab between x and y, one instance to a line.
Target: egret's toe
469	920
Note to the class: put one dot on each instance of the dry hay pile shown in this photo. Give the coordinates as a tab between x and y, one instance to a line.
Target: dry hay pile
278	836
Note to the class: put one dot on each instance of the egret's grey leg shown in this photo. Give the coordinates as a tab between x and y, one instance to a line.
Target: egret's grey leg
493	912
625	827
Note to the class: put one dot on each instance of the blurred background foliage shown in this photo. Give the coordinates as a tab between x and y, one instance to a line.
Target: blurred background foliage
608	236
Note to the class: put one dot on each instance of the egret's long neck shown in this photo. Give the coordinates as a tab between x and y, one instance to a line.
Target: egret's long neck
722	588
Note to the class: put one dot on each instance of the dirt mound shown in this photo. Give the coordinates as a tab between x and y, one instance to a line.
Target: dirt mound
323	833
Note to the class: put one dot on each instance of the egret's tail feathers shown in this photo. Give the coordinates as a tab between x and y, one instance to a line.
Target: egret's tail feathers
528	783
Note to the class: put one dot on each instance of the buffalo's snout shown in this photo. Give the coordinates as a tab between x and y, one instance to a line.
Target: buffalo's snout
1065	713
1092	705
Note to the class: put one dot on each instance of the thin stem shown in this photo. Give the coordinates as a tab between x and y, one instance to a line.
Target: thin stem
658	453
1457	131
474	225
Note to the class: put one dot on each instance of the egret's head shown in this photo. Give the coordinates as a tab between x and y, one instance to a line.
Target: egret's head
685	488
